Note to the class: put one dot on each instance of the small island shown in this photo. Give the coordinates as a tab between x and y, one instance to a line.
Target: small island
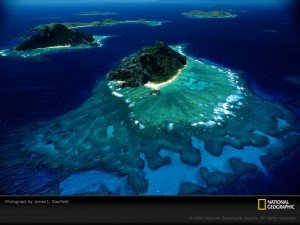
221	14
157	63
57	35
105	22
95	13
53	39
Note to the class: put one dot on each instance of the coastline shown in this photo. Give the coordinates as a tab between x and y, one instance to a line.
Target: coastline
55	47
39	51
212	14
157	86
147	22
83	26
77	25
209	17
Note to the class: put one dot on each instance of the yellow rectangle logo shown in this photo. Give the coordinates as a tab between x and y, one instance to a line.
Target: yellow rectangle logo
262	204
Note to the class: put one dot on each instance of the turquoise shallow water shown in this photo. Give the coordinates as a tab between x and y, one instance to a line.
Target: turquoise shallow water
203	95
146	144
166	180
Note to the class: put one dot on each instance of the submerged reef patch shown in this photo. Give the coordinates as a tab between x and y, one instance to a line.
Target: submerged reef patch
207	110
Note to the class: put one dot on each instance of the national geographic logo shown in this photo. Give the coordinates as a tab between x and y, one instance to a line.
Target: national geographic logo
262	204
273	204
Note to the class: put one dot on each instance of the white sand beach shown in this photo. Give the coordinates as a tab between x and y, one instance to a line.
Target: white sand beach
157	86
58	46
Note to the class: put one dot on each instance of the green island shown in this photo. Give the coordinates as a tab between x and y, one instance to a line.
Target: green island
57	35
222	14
157	63
105	22
54	39
96	13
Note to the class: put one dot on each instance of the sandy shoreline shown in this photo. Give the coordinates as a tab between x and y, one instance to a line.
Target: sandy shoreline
156	86
58	46
82	26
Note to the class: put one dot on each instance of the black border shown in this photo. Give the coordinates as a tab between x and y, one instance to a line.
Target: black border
145	210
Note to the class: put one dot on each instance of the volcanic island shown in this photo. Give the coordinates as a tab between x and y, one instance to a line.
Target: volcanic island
217	14
54	38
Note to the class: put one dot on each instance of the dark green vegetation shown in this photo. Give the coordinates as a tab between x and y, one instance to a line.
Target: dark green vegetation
156	63
56	35
72	25
209	14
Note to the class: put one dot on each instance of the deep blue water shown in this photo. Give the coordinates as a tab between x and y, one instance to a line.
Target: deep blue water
36	89
30	89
